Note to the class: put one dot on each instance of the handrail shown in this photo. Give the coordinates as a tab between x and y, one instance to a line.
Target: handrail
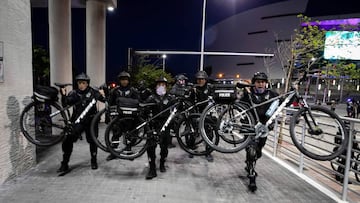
322	169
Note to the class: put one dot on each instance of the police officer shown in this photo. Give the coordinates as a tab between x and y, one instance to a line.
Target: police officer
258	94
201	92
179	89
80	98
123	95
163	100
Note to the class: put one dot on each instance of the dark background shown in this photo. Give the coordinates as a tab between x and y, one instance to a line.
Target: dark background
161	25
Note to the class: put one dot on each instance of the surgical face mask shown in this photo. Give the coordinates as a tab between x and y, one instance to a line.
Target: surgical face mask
259	90
161	90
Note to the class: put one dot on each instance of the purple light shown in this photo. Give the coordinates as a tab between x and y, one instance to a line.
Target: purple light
337	23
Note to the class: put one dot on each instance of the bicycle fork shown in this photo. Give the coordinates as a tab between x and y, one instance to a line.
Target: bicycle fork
314	129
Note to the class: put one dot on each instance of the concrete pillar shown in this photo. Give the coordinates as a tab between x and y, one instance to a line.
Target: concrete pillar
17	155
60	41
95	41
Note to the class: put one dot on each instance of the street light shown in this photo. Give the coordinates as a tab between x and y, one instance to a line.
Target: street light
110	8
163	63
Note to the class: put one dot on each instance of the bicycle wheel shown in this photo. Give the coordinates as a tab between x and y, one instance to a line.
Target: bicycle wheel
314	130
241	125
98	129
357	168
189	138
123	140
43	123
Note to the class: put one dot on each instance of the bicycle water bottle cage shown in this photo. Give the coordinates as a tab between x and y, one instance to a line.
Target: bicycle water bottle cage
261	130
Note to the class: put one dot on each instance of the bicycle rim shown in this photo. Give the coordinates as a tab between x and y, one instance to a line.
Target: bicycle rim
98	126
213	115
38	127
124	142
321	144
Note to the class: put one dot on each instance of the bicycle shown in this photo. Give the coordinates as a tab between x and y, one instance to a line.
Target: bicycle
131	141
44	121
102	119
338	164
311	128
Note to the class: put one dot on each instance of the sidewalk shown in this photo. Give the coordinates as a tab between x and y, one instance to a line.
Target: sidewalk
186	180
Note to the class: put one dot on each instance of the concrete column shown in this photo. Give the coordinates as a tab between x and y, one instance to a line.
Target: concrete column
17	155
95	41
60	41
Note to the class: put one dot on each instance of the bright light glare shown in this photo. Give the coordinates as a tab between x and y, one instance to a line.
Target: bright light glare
164	56
110	8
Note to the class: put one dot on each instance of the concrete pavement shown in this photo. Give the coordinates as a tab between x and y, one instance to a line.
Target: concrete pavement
186	180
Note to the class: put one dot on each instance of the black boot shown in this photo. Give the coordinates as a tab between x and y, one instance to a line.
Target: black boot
93	153
252	184
152	171
63	167
94	164
162	166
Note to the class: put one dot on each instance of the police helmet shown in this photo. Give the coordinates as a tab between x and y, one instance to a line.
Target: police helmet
259	76
201	75
161	79
124	74
82	77
180	77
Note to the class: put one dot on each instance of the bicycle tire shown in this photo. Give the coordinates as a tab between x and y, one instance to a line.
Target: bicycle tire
98	138
189	138
357	168
213	112
38	127
122	144
319	147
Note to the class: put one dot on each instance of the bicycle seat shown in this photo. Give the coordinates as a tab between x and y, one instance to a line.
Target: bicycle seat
62	85
242	85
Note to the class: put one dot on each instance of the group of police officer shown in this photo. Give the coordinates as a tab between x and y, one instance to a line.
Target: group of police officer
82	96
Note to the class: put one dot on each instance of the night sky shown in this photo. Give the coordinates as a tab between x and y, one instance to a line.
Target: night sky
146	25
155	25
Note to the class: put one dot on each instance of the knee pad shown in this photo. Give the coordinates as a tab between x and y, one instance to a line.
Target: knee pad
251	153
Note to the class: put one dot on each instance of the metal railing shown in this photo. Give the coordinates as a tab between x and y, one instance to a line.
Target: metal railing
346	167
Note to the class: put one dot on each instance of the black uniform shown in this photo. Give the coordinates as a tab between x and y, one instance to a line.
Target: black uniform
199	94
81	99
123	92
125	97
162	102
258	98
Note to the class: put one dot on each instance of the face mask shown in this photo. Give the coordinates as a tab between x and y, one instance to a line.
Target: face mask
161	90
259	90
